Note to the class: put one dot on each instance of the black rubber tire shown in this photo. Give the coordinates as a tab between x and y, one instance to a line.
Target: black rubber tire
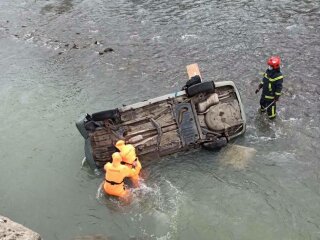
217	145
109	114
205	87
81	128
194	80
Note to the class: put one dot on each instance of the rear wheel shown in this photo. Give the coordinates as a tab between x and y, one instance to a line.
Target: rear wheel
194	80
205	87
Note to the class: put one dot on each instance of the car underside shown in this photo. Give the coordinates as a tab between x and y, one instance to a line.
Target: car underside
203	114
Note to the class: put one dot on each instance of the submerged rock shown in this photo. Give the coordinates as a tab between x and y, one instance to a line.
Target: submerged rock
105	51
10	230
108	50
75	46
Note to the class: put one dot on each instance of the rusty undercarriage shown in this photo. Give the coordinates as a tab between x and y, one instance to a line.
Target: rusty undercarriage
204	114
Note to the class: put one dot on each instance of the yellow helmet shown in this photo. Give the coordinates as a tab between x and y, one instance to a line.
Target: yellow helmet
116	157
120	144
128	153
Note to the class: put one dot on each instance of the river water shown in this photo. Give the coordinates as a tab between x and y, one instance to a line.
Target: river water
52	74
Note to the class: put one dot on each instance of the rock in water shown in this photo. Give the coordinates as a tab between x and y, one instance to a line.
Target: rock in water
108	50
10	230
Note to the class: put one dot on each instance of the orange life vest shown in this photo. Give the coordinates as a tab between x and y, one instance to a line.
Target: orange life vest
115	174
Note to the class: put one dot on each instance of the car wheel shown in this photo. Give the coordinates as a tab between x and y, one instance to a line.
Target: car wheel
81	128
194	80
205	87
109	114
216	145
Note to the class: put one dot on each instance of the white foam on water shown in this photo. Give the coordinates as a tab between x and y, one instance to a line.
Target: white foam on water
158	203
135	37
100	192
161	202
156	38
270	130
291	27
260	138
84	160
189	36
291	120
282	157
109	201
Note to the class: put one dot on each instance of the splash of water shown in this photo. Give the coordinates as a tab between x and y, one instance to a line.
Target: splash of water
157	203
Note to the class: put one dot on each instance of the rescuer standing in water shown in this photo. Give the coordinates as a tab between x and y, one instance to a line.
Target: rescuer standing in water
130	159
114	177
271	85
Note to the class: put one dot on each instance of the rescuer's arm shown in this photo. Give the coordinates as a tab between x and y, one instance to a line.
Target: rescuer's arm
137	165
132	172
105	167
129	172
260	86
278	89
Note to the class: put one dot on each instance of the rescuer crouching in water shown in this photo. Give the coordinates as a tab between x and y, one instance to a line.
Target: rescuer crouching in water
115	174
130	159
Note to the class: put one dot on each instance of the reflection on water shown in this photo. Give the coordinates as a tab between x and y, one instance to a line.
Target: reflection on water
52	72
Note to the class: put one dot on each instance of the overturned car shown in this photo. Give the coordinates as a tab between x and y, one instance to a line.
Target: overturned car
202	114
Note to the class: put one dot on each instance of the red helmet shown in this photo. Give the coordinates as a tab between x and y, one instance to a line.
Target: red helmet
274	62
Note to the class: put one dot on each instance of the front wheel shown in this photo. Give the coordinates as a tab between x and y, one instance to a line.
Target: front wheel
109	114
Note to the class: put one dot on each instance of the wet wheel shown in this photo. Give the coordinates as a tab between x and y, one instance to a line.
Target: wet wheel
193	80
80	124
216	145
109	114
205	87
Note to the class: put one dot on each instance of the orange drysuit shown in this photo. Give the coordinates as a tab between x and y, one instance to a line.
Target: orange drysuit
129	158
115	174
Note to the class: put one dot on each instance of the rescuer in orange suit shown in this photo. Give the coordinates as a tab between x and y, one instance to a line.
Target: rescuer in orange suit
115	174
130	159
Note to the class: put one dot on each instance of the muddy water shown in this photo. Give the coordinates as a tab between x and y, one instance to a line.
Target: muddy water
52	73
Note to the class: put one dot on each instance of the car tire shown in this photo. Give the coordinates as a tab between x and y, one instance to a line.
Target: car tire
216	145
193	80
205	87
109	114
81	128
